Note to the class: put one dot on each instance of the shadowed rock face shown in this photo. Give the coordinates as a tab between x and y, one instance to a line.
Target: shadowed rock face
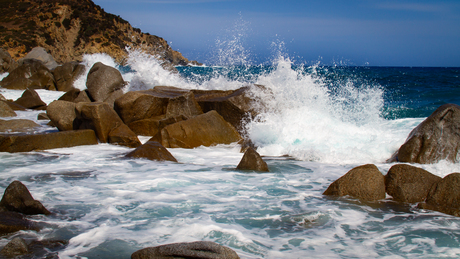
252	161
363	182
436	138
66	75
444	196
200	249
30	100
152	150
18	198
32	73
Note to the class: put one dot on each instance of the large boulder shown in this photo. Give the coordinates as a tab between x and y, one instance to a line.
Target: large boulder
406	183
63	115
151	127
103	81
7	63
31	74
252	161
203	130
31	100
200	249
436	138
19	125
29	142
152	150
444	196
183	105
66	75
11	222
39	53
17	198
123	136
363	182
6	110
76	96
139	105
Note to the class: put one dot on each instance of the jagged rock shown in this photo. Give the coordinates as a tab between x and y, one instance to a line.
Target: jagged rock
29	142
152	150
66	75
436	138
124	136
6	111
363	182
39	53
14	106
16	247
444	196
184	105
252	161
31	74
63	115
17	198
19	125
102	81
7	64
42	117
200	249
11	222
76	96
31	100
151	127
203	130
406	183
139	105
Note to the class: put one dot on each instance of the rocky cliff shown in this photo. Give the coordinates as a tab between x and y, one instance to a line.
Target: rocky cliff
67	29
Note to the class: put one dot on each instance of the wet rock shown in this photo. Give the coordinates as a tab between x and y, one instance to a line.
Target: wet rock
363	182
29	142
16	247
152	150
200	249
75	96
39	53
124	136
435	139
444	196
11	222
42	117
184	105
151	127
102	81
203	130
252	161
140	105
63	115
31	100
17	198
6	111
406	183
7	64
14	106
66	75
31	74
19	125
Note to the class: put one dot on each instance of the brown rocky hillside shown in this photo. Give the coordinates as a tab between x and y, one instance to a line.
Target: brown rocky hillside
69	28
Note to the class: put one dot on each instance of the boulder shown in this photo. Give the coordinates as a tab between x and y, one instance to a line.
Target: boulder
6	111
363	182
76	96
29	142
19	125
66	75
203	130
39	53
124	136
444	196
152	150
184	105
139	105
42	117
16	247
14	106
31	100
7	63
436	138
11	222
31	74
252	161
102	81
406	183
17	198
63	115
200	249
151	127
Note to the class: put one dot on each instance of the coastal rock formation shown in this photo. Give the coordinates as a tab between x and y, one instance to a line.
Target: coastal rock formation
152	150
31	100
151	127
406	183
75	96
252	161
7	63
19	125
16	247
32	73
17	198
11	222
39	53
363	182
63	115
104	81
139	105
444	196
183	105
200	249
6	111
435	139
66	75
123	136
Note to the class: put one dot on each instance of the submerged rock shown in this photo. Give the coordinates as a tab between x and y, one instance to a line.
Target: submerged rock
252	161
11	222
18	198
16	247
152	150
200	249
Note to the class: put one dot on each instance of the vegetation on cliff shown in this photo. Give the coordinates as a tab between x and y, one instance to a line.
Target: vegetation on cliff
68	29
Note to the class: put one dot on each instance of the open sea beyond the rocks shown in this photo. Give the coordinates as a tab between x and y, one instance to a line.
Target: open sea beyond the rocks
318	122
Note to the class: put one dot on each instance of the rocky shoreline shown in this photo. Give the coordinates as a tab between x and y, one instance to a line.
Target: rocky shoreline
182	118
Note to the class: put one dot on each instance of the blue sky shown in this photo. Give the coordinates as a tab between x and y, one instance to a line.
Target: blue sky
350	32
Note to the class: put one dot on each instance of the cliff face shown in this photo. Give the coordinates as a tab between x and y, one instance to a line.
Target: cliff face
68	29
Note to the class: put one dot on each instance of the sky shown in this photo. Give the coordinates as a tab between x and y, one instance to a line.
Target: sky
340	32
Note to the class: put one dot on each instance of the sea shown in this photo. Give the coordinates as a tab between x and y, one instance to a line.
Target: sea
314	124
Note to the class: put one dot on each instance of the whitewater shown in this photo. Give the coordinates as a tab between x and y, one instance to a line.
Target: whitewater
314	125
